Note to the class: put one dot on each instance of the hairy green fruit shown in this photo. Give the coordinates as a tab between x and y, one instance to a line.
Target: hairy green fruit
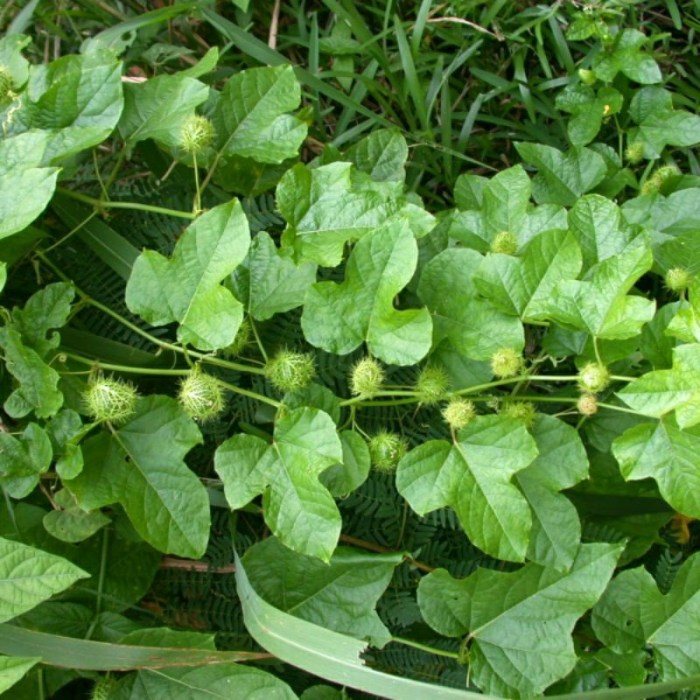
197	134
6	83
386	450
659	178
523	411
458	413
366	378
505	242
201	395
290	371
104	687
634	153
431	385
678	279
240	342
587	404
506	362
593	378
110	399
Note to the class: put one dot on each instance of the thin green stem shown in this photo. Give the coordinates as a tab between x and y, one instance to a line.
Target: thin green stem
197	192
121	159
100	581
127	369
102	204
250	394
363	401
621	409
261	347
620	378
425	647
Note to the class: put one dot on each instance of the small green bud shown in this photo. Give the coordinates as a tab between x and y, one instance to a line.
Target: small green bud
201	395
197	134
431	385
110	399
366	378
587	76
505	242
6	83
678	279
520	410
290	371
587	404
634	153
104	687
386	450
593	378
458	413
506	362
240	342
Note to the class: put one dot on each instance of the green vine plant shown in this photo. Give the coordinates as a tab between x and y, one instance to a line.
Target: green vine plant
279	333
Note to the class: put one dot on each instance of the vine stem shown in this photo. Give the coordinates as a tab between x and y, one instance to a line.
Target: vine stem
102	204
372	547
425	647
100	581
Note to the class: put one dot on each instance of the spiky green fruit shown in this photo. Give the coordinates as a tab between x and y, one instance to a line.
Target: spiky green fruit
523	411
506	363
431	385
593	378
386	450
290	371
587	405
678	279
459	413
366	378
197	133
201	395
505	242
110	399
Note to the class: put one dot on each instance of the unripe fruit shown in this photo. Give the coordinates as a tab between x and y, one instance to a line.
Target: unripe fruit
520	410
593	378
239	342
6	83
504	242
458	413
201	395
431	385
104	687
678	279
587	404
110	399
657	180
506	362
290	371
634	153
587	76
386	450
197	133
366	378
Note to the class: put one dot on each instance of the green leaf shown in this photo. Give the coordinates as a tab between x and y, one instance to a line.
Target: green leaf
562	463
251	117
501	204
13	668
141	466
186	287
562	177
339	317
518	624
596	222
340	595
659	392
382	155
209	683
522	286
23	461
473	476
625	56
38	382
166	637
298	508
66	652
3	275
63	429
599	305
45	310
28	576
633	614
328	206
659	124
327	654
24	194
475	327
270	282
343	479
157	108
11	46
667	455
588	109
71	523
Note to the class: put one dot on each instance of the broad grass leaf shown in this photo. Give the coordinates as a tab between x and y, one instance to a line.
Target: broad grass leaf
474	477
298	508
340	317
340	595
518	624
187	286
